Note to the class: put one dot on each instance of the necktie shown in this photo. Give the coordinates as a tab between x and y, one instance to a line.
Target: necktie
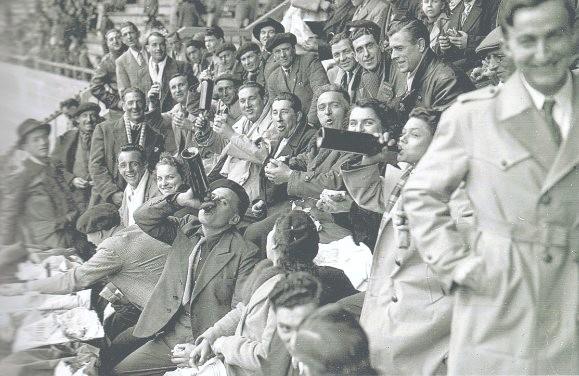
139	58
551	123
157	68
190	282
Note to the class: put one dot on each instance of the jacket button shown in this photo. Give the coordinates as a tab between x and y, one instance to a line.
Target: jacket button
545	199
394	298
503	163
547	258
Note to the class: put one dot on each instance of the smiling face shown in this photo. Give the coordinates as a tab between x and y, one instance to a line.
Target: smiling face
365	120
343	54
114	42
284	54
36	143
226	91
285	117
134	106
367	52
265	34
130	37
332	108
251	103
131	167
157	48
224	213
179	88
87	121
406	52
168	179
289	321
415	139
250	61
540	43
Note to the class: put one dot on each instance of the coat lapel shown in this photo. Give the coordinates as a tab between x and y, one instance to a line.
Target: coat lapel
217	259
473	17
568	156
518	115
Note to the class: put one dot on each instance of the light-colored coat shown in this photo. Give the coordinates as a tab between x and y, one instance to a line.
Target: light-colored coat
521	314
406	312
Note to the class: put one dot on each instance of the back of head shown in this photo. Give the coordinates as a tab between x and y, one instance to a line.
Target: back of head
332	342
296	289
297	239
416	29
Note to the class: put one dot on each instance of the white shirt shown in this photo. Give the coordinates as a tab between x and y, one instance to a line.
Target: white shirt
157	77
563	108
135	197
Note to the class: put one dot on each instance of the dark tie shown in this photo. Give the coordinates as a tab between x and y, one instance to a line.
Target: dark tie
157	68
551	123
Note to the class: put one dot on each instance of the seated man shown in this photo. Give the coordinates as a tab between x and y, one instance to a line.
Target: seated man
72	149
406	308
226	87
253	67
38	206
203	276
141	184
226	62
496	66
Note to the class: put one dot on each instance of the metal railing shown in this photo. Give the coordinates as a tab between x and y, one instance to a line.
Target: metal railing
63	69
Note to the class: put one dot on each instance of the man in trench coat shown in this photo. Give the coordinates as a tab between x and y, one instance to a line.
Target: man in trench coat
516	289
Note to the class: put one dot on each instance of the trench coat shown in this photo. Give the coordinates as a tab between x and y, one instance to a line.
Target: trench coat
406	312
520	314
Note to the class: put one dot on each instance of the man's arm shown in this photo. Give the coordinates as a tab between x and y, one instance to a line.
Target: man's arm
123	80
102	177
100	78
155	218
428	191
312	183
249	258
240	146
103	264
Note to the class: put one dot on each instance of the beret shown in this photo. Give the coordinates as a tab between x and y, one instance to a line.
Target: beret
246	48
298	232
195	43
281	38
236	188
98	217
491	42
224	47
30	125
278	27
87	106
214	30
228	76
372	27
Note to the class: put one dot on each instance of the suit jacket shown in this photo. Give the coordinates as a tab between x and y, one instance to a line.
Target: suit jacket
103	84
65	152
377	11
107	140
218	285
523	189
405	309
130	74
306	73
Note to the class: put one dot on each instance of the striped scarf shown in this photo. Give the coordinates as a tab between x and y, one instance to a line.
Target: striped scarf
129	125
395	195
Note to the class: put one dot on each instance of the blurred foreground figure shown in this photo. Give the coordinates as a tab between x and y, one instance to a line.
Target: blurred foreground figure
516	290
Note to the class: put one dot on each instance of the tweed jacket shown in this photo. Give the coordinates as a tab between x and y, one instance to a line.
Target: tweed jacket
306	73
519	315
219	283
65	152
103	84
130	74
107	140
405	310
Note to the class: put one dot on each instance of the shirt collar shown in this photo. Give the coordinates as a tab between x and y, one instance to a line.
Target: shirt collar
161	63
142	182
563	96
211	240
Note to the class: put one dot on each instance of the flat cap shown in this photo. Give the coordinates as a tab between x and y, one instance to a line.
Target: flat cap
228	76
372	27
87	106
278	27
245	48
98	217
30	125
224	47
195	43
281	38
236	188
491	42
214	30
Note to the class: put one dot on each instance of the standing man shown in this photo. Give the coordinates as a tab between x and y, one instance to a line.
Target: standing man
72	149
131	66
345	58
516	291
103	85
203	276
296	74
134	127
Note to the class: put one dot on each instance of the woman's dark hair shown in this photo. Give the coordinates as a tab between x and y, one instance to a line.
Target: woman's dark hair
297	240
348	354
381	111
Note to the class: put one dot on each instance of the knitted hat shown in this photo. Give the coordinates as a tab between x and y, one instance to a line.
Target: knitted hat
297	232
98	217
237	189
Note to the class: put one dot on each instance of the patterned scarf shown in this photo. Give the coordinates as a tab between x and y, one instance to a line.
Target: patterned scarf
395	195
129	125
